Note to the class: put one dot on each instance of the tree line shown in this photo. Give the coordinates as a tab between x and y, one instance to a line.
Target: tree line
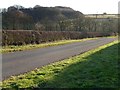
54	19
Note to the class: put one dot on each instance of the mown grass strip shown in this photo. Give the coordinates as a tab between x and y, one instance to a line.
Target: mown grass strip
6	49
95	68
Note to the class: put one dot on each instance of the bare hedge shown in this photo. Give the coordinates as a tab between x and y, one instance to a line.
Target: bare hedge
21	37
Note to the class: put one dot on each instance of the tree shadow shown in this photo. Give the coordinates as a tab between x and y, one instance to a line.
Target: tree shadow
99	70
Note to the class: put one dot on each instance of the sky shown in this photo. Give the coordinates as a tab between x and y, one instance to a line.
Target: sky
84	6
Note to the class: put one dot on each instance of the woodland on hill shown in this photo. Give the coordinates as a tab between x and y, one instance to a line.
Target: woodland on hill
54	19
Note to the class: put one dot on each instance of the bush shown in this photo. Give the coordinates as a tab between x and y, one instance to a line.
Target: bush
21	37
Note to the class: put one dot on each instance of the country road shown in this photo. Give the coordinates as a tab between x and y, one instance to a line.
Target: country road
23	61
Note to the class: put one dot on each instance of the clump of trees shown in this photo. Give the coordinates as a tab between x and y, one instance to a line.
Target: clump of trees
14	19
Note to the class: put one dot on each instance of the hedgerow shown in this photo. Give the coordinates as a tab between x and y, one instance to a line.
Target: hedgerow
22	37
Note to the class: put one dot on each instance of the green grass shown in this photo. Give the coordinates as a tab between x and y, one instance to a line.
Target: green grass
95	68
6	49
113	36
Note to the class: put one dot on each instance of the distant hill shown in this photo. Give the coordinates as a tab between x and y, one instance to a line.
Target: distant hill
26	18
52	13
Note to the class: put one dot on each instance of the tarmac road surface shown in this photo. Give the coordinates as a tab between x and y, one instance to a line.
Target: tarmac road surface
24	61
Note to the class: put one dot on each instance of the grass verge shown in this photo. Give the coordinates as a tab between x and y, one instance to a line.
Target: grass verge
6	49
95	68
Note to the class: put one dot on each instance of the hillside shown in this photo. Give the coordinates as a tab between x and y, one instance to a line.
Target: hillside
56	18
52	13
16	17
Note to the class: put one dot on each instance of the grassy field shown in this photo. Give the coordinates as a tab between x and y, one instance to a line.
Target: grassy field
95	68
6	49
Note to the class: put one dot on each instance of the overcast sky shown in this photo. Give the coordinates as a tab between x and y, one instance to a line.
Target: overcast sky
85	6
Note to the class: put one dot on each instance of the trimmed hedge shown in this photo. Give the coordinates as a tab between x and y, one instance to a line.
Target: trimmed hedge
21	37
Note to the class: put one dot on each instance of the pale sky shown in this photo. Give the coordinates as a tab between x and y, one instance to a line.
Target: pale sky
85	6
